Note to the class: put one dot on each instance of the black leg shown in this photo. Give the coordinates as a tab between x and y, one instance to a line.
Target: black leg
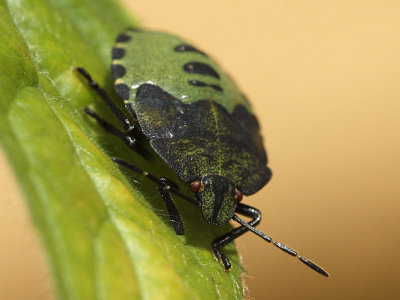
221	241
165	187
126	123
130	141
174	215
131	136
171	187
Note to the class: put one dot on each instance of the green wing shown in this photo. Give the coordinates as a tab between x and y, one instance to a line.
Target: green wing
203	138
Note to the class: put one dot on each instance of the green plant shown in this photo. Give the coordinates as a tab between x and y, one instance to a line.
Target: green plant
106	237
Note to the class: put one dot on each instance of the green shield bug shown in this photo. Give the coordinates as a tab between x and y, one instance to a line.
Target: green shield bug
197	120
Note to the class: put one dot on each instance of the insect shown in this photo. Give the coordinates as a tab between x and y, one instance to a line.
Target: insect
197	120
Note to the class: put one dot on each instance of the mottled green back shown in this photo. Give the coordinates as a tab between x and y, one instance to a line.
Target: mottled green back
150	57
203	138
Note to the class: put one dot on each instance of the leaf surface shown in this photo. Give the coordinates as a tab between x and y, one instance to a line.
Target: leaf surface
107	234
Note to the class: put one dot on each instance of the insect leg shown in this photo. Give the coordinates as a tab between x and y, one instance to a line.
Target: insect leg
164	187
172	186
221	241
173	212
130	141
122	118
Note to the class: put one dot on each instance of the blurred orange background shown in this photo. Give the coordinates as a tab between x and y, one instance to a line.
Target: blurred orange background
324	81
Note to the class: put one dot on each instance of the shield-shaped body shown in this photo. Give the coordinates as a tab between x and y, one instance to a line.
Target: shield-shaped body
193	114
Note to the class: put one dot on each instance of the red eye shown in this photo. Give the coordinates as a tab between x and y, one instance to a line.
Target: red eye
239	196
195	186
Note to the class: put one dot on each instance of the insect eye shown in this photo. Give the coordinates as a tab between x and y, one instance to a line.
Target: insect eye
238	196
195	186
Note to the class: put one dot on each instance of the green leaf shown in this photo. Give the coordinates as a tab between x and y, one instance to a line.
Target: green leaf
107	234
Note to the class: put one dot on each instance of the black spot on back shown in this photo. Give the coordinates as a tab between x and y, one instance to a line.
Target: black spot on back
117	53
123	38
188	48
203	84
122	91
117	71
200	68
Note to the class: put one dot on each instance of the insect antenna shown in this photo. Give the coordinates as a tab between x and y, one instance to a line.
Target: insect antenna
281	246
